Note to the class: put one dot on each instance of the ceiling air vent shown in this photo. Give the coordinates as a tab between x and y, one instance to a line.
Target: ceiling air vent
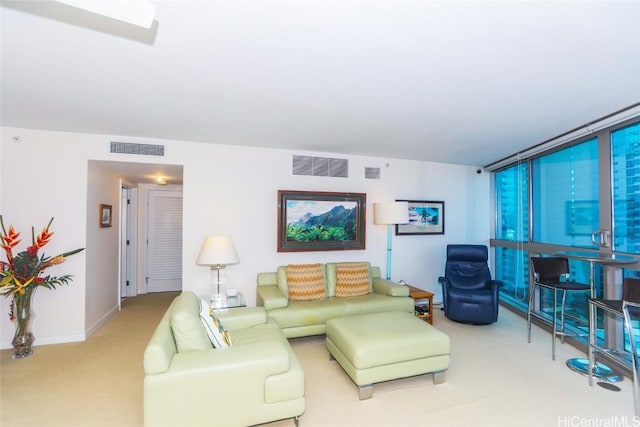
142	149
320	166
372	173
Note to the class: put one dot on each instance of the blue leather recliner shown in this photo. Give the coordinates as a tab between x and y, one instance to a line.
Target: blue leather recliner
469	293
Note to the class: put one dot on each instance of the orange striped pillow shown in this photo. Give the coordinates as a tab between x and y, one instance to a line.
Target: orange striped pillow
352	279
305	282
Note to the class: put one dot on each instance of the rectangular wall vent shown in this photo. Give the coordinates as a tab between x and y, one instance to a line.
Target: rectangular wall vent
339	168
372	173
142	149
320	166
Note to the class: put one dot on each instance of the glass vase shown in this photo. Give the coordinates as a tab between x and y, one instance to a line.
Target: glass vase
23	337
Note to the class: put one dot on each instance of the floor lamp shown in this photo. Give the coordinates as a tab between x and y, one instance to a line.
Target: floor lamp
390	213
217	252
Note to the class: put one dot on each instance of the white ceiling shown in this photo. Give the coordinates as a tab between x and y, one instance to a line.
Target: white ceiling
466	82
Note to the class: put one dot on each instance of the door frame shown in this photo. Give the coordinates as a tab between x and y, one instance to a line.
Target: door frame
128	242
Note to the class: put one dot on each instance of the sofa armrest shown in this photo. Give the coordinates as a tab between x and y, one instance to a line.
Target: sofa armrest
265	279
388	287
182	395
241	317
271	296
258	359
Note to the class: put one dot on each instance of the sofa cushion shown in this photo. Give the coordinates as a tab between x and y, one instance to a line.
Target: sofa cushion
305	282
308	313
268	331
352	279
218	335
186	326
376	303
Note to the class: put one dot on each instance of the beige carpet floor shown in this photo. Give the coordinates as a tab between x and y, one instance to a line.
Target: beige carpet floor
495	379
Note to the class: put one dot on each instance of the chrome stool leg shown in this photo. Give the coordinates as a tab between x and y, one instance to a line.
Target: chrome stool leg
634	351
554	331
564	297
532	291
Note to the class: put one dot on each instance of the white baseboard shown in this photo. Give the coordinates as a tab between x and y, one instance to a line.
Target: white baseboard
102	321
54	339
62	339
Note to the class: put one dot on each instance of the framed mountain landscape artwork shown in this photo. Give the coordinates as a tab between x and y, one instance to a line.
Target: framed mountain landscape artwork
320	221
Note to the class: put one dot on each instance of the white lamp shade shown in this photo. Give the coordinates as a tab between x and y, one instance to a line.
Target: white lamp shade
217	250
391	213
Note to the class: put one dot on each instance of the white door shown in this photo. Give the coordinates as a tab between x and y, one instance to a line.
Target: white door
164	241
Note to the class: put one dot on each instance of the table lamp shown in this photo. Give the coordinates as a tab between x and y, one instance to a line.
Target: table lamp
390	213
218	252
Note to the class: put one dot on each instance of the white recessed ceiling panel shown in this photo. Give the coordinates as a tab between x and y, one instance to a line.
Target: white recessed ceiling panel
466	82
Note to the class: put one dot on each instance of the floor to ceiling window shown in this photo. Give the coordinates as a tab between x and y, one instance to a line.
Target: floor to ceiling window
565	212
565	195
625	166
512	264
553	201
625	170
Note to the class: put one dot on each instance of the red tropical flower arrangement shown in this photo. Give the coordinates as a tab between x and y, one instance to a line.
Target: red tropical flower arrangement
21	273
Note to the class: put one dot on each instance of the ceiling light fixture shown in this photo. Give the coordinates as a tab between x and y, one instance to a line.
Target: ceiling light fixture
161	181
136	12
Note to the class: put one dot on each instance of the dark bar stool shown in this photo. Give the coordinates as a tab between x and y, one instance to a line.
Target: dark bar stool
630	293
552	273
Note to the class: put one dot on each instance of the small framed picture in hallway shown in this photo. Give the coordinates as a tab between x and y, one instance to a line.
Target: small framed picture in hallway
105	215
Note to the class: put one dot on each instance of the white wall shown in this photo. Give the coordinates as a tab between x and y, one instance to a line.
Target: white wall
248	180
233	190
103	187
45	175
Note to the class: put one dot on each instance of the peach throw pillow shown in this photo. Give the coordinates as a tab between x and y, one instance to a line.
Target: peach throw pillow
305	282
352	279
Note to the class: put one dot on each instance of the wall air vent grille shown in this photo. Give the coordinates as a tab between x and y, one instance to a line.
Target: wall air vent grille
142	149
320	166
372	173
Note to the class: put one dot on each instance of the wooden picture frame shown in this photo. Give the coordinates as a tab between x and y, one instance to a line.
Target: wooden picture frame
320	221
105	216
425	217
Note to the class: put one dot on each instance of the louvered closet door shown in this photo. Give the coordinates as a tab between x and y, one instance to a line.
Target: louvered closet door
164	246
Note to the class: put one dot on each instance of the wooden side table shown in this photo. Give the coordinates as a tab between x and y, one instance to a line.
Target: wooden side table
416	294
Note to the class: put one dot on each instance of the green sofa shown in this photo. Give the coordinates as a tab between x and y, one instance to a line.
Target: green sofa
188	382
305	318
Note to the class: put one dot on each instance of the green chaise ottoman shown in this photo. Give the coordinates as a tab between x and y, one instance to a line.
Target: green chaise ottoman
378	347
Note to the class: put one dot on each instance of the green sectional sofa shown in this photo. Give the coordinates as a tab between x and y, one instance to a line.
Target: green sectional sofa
299	318
188	382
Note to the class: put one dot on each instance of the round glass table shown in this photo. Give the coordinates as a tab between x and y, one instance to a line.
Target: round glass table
582	365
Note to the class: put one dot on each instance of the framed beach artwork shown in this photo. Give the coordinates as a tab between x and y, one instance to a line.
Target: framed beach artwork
425	217
320	221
